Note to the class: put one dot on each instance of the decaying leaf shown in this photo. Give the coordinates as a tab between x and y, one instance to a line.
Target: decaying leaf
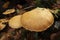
57	24
5	5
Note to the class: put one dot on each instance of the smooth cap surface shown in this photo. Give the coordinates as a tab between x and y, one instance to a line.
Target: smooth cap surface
38	19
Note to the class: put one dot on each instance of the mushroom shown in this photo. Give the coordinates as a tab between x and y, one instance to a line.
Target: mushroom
9	11
15	22
38	19
3	20
2	26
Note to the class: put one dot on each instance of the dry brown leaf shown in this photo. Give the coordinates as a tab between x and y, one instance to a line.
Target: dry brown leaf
5	5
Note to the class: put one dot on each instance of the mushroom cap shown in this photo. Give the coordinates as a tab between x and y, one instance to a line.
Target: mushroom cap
38	19
15	22
9	11
2	26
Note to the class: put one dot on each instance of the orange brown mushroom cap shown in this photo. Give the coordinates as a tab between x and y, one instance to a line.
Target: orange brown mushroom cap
15	22
2	26
38	19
